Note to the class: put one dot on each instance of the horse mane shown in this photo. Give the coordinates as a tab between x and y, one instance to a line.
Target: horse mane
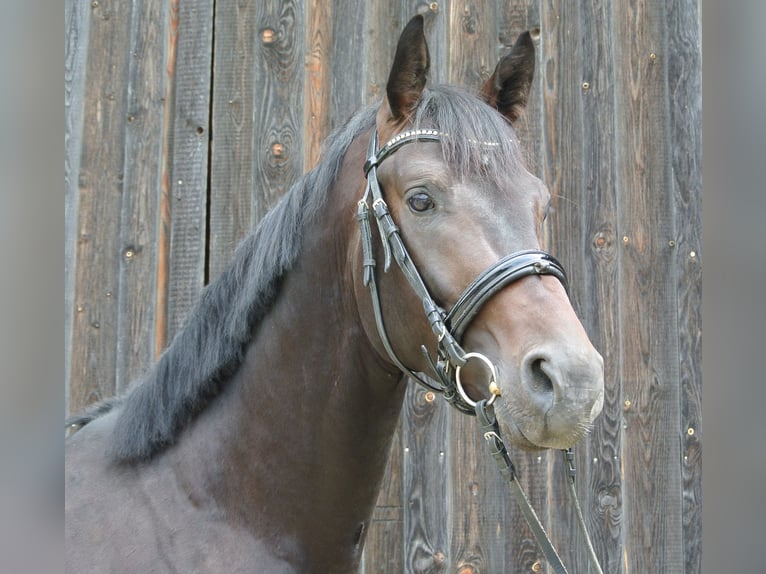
210	347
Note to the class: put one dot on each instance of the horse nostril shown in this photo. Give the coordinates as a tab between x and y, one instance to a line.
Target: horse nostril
539	381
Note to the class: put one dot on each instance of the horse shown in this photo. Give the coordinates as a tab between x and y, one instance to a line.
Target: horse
259	439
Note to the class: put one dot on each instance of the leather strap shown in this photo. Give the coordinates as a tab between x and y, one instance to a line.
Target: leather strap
485	414
506	271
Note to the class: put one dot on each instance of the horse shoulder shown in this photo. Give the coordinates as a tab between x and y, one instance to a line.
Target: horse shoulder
138	518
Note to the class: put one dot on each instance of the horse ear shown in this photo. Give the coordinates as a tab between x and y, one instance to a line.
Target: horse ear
408	73
508	87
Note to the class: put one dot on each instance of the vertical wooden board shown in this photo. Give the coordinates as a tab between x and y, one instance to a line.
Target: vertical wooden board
318	79
232	132
77	21
684	91
94	323
438	23
383	550
189	184
382	30
278	102
562	128
600	305
139	224
424	470
349	59
648	298
472	40
166	175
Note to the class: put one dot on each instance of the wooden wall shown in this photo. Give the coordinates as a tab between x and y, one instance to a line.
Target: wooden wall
186	120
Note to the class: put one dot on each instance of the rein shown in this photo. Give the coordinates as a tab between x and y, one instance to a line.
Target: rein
449	327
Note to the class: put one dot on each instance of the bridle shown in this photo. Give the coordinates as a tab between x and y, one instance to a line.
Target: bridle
449	327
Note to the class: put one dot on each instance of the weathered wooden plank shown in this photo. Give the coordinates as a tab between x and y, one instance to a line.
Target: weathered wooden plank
139	226
165	200
648	298
381	34
383	551
560	126
438	23
189	170
424	436
349	59
318	81
77	21
233	136
94	323
279	101
600	304
684	91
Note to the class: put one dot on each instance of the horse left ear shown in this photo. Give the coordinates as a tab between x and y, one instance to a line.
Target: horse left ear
508	87
407	78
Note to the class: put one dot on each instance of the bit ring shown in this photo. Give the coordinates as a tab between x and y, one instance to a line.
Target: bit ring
494	390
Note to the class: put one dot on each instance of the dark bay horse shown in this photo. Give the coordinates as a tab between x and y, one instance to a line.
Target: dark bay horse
258	441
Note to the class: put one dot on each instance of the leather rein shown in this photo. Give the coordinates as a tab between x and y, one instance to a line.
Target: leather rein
449	327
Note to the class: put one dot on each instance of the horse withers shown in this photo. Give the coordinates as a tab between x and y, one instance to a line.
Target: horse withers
258	441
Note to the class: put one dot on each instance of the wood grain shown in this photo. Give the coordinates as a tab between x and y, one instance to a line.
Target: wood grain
318	72
684	92
189	170
561	124
648	293
162	97
100	189
349	58
425	439
233	135
600	298
77	21
139	218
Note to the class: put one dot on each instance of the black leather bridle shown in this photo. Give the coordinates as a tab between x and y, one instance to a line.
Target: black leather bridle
448	327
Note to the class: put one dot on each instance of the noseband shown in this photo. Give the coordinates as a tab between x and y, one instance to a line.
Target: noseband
448	327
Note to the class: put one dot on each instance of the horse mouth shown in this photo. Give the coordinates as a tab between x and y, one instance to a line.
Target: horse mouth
511	429
521	439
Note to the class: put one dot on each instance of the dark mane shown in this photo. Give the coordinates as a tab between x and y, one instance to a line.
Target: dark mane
210	346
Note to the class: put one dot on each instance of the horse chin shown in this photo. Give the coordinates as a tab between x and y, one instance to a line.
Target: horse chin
536	436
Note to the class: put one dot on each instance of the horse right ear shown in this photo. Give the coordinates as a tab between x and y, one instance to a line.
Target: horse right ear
508	87
407	78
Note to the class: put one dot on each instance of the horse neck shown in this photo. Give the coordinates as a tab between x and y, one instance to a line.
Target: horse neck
312	409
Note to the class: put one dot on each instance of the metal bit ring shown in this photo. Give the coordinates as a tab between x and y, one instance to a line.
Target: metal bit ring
494	390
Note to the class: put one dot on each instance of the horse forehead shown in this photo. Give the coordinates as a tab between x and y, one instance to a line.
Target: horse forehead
425	161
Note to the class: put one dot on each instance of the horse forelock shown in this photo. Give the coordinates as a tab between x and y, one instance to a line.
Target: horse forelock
210	346
479	140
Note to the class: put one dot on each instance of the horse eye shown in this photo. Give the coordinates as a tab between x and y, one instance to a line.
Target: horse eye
420	202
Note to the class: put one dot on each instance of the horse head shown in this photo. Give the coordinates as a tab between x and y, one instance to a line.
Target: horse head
462	206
